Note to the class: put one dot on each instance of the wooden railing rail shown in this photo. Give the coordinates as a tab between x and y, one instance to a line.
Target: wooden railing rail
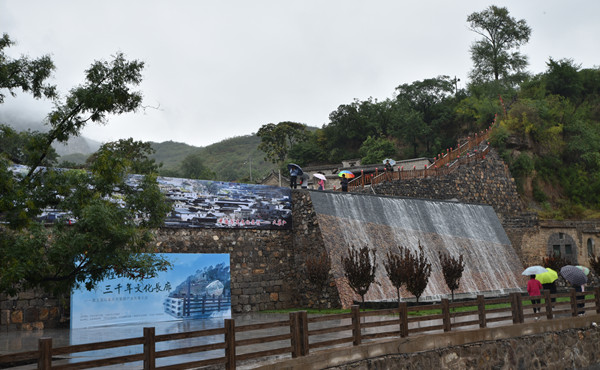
297	336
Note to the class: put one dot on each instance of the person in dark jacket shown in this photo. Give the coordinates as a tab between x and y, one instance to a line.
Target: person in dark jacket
344	183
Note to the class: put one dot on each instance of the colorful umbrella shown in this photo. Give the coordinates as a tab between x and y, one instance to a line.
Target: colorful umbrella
573	275
320	177
585	270
547	277
534	270
348	174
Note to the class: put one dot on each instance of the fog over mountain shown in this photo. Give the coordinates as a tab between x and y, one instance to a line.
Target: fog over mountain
23	122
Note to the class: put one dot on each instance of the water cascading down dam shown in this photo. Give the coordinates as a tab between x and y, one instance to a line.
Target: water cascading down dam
384	223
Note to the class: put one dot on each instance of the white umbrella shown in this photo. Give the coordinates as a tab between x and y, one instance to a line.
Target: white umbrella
392	162
534	270
319	176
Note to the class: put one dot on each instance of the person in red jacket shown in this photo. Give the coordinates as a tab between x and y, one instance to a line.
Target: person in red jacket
533	288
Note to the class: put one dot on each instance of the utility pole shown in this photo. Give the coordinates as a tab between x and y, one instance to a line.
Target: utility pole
456	85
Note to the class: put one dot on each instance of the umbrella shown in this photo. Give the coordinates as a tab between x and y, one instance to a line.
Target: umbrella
320	177
573	275
293	165
348	174
585	270
547	277
392	162
534	270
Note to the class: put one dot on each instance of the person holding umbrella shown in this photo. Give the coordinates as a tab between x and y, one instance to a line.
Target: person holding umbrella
577	279
533	288
295	171
344	183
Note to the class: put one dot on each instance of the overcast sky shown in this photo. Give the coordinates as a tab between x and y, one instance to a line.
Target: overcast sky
218	69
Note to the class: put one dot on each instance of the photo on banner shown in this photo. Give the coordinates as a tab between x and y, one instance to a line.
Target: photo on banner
198	286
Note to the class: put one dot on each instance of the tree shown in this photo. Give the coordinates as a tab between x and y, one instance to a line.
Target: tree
374	150
359	269
452	269
193	167
396	269
496	56
106	223
419	270
25	74
278	139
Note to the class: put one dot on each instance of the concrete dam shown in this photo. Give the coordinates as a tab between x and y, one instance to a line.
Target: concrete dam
384	223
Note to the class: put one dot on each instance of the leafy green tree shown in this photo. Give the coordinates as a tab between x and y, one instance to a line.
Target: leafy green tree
25	74
426	108
107	227
278	139
496	56
563	78
193	167
359	268
374	150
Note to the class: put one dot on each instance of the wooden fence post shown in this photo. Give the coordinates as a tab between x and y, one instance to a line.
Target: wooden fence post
403	317
45	353
548	300
481	311
356	325
229	344
149	349
304	348
573	302
446	314
517	308
295	333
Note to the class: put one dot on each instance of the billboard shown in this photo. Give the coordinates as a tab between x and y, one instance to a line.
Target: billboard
198	286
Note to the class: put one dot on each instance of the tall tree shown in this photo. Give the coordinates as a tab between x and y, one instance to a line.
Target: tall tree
419	270
496	56
193	167
278	139
109	233
359	268
452	269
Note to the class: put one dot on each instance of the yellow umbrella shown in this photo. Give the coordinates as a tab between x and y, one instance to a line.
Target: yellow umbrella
547	277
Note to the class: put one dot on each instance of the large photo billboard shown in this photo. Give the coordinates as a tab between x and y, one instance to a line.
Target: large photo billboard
198	286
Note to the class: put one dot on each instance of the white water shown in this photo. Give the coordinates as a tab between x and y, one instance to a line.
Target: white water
384	223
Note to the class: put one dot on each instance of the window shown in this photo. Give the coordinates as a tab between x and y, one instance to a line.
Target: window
590	247
568	250
556	250
561	236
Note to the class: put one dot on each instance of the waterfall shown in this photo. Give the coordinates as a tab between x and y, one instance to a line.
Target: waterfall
384	223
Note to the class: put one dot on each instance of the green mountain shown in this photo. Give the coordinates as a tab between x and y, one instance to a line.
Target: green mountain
234	159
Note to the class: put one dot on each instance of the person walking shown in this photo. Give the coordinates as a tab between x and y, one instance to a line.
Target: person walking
321	184
534	288
344	183
293	177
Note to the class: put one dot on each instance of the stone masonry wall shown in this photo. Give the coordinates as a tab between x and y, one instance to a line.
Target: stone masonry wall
487	182
567	349
268	270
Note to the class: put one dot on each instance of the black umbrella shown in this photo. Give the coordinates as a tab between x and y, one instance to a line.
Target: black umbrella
293	165
573	275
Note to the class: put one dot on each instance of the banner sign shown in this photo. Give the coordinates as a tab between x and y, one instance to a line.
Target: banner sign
198	286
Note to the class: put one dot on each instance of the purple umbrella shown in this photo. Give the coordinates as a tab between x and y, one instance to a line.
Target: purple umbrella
573	275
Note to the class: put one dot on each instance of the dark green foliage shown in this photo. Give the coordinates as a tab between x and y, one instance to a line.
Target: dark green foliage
452	269
359	268
110	232
374	150
193	167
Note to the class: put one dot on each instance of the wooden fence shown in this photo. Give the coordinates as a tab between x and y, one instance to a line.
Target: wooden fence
300	334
